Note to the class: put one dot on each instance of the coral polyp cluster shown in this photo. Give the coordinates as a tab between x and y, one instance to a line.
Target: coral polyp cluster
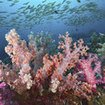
38	78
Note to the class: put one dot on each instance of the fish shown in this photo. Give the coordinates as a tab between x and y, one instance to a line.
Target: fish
1	1
79	1
3	12
12	13
70	1
2	17
9	0
28	7
26	3
32	8
56	12
14	2
63	1
44	1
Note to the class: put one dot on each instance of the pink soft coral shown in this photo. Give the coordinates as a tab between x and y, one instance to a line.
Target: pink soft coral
17	49
69	58
89	71
21	57
6	95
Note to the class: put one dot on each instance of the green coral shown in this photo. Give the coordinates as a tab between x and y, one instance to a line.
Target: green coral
96	42
101	51
43	40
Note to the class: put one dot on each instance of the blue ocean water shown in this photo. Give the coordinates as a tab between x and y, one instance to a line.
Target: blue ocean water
54	16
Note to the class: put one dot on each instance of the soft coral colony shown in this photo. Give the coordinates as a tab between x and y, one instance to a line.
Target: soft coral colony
63	78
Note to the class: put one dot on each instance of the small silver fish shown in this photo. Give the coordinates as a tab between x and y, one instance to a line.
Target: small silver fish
1	1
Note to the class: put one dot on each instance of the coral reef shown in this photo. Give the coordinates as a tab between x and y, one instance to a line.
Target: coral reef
43	44
65	78
96	42
6	95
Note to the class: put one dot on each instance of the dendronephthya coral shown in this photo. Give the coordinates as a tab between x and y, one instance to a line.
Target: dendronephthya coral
65	77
